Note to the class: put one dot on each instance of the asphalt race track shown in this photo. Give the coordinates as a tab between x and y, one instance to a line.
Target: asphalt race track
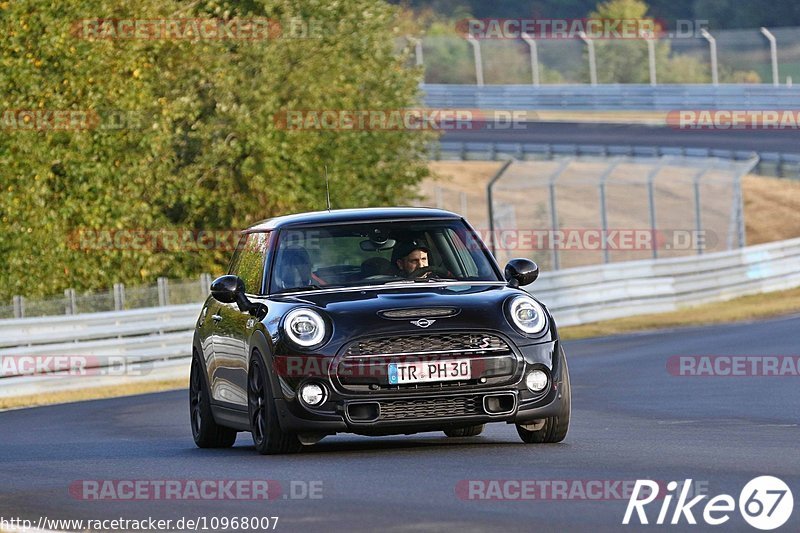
631	419
784	141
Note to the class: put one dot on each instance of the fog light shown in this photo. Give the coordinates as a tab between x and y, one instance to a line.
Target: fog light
312	394
536	381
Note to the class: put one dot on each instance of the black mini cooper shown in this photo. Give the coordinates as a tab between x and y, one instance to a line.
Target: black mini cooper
373	321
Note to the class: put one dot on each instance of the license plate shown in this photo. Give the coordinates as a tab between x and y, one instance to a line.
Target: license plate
428	371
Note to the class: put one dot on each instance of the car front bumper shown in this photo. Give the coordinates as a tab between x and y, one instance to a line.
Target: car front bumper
385	414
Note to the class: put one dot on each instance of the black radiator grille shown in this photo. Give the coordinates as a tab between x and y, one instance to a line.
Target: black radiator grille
421	344
430	408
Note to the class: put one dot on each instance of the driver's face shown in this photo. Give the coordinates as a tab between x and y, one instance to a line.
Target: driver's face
413	261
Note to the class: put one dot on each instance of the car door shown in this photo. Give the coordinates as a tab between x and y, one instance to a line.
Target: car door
233	327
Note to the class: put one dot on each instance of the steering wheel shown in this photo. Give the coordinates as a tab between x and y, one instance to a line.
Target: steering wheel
422	272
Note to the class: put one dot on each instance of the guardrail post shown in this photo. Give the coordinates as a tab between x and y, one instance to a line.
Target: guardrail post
119	297
163	292
19	306
70	302
773	54
712	48
463	196
476	54
534	51
592	58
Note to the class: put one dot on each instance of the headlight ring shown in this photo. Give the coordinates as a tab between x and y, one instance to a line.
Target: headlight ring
304	327
527	315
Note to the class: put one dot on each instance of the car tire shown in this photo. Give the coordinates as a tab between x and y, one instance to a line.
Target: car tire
469	431
268	437
205	430
554	428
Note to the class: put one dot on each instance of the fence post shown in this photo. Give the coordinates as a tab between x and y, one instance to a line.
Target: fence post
712	48
773	54
592	58
119	297
476	53
698	212
554	210
651	201
463	204
205	285
603	212
19	306
490	203
651	56
534	50
163	292
70	307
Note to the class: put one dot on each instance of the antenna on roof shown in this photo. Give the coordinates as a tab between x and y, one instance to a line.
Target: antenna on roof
327	189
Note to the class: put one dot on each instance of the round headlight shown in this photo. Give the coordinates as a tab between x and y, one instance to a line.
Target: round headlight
312	394
527	314
536	380
304	327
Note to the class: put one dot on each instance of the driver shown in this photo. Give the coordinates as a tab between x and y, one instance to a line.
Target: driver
410	256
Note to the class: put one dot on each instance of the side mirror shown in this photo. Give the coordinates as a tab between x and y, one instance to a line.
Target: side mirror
229	289
521	272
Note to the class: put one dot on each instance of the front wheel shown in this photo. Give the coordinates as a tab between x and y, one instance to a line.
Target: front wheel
205	430
268	437
554	428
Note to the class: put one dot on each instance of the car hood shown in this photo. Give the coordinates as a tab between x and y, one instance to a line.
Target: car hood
359	312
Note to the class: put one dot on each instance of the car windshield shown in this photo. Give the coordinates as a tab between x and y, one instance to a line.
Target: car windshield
377	253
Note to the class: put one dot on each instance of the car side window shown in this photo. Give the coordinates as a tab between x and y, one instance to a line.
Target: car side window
248	260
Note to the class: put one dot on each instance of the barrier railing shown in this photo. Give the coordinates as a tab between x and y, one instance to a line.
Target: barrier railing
630	97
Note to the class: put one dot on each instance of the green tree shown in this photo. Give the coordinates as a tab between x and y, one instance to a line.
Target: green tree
200	147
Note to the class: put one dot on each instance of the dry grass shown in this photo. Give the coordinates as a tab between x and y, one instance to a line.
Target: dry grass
745	308
771	205
92	393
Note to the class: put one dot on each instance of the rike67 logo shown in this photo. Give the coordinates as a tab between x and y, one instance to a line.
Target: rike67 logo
765	503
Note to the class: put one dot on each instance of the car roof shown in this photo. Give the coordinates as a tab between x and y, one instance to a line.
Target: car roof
351	215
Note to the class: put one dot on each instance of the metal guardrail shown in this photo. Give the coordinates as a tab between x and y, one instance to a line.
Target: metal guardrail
575	296
603	292
631	97
769	164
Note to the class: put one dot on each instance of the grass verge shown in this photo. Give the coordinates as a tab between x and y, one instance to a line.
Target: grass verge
764	305
93	393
